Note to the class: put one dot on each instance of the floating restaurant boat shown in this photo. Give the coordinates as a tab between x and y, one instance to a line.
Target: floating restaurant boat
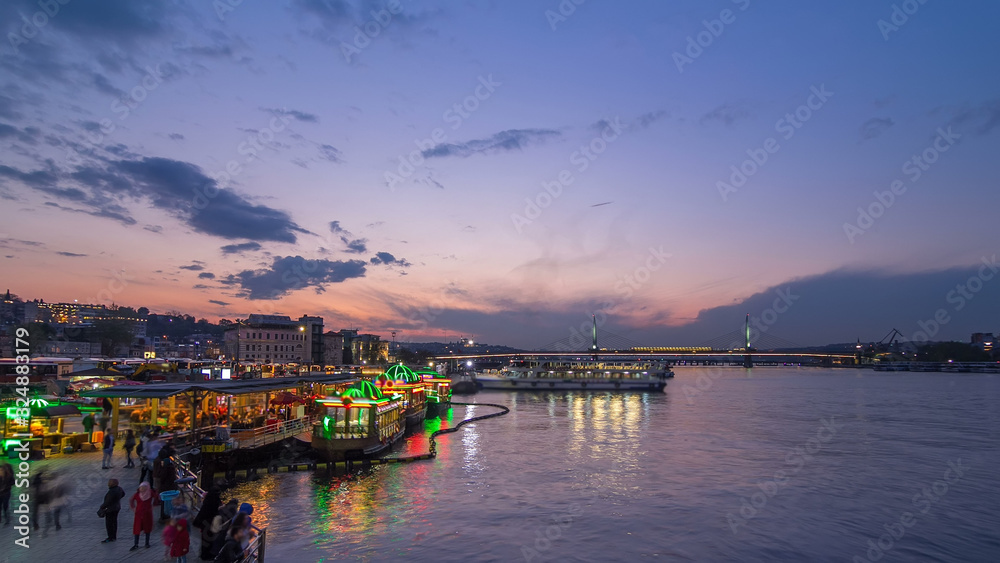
403	381
557	374
438	390
361	422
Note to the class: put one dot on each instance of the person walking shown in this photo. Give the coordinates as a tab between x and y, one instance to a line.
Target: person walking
109	450
110	508
6	484
88	426
181	541
142	503
203	521
129	446
167	478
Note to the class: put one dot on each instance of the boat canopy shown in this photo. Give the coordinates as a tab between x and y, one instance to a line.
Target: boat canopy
399	372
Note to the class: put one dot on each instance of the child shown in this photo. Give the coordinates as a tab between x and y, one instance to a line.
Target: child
181	540
169	535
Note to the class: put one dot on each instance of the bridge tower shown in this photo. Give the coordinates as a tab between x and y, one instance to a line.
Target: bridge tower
593	347
747	358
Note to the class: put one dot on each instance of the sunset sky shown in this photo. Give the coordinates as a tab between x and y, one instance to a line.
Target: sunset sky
222	162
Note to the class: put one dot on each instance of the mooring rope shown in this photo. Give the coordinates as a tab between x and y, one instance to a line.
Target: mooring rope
503	410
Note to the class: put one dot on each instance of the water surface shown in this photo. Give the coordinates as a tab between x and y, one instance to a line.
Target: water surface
782	464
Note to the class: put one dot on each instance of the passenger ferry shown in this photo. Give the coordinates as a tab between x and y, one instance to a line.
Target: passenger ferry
403	381
541	374
360	423
438	390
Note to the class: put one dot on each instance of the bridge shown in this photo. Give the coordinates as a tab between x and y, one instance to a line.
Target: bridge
730	349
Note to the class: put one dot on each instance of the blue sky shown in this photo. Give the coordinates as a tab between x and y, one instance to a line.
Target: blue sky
453	246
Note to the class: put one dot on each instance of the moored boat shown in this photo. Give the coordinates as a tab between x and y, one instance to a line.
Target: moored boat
403	381
438	390
558	374
362	422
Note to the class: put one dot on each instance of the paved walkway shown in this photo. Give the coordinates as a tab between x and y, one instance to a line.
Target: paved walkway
79	540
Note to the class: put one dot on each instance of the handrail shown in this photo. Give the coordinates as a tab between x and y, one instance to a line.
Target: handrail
255	550
270	433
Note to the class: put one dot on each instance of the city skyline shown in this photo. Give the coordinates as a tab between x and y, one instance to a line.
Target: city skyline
415	168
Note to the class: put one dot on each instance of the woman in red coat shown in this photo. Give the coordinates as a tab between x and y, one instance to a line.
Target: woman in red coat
142	504
181	542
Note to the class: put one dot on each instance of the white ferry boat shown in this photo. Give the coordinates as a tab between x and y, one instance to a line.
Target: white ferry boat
543	374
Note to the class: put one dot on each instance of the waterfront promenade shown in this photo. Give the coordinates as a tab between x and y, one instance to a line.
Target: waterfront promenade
79	540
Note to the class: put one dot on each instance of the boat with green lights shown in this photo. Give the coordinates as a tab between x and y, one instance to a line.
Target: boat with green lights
362	422
405	382
438	390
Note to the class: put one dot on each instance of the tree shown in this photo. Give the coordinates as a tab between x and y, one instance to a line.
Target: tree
111	334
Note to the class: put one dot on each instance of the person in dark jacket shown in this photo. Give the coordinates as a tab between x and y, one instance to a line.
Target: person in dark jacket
109	450
209	510
232	551
129	446
88	426
111	506
6	484
167	479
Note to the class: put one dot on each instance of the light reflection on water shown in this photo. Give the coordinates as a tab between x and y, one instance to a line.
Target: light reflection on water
653	475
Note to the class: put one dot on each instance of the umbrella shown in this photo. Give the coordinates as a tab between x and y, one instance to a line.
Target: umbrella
285	398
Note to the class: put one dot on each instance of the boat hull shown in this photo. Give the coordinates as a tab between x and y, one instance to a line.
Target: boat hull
438	409
351	449
549	384
416	417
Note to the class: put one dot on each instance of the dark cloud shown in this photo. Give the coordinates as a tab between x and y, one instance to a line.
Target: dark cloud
504	141
240	248
294	114
27	135
206	276
119	20
184	190
290	273
981	118
384	258
217	302
727	114
153	228
355	246
193	267
176	136
875	127
70	254
179	188
336	229
330	153
647	119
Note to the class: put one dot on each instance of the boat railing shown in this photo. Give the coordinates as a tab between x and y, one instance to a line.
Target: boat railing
270	433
